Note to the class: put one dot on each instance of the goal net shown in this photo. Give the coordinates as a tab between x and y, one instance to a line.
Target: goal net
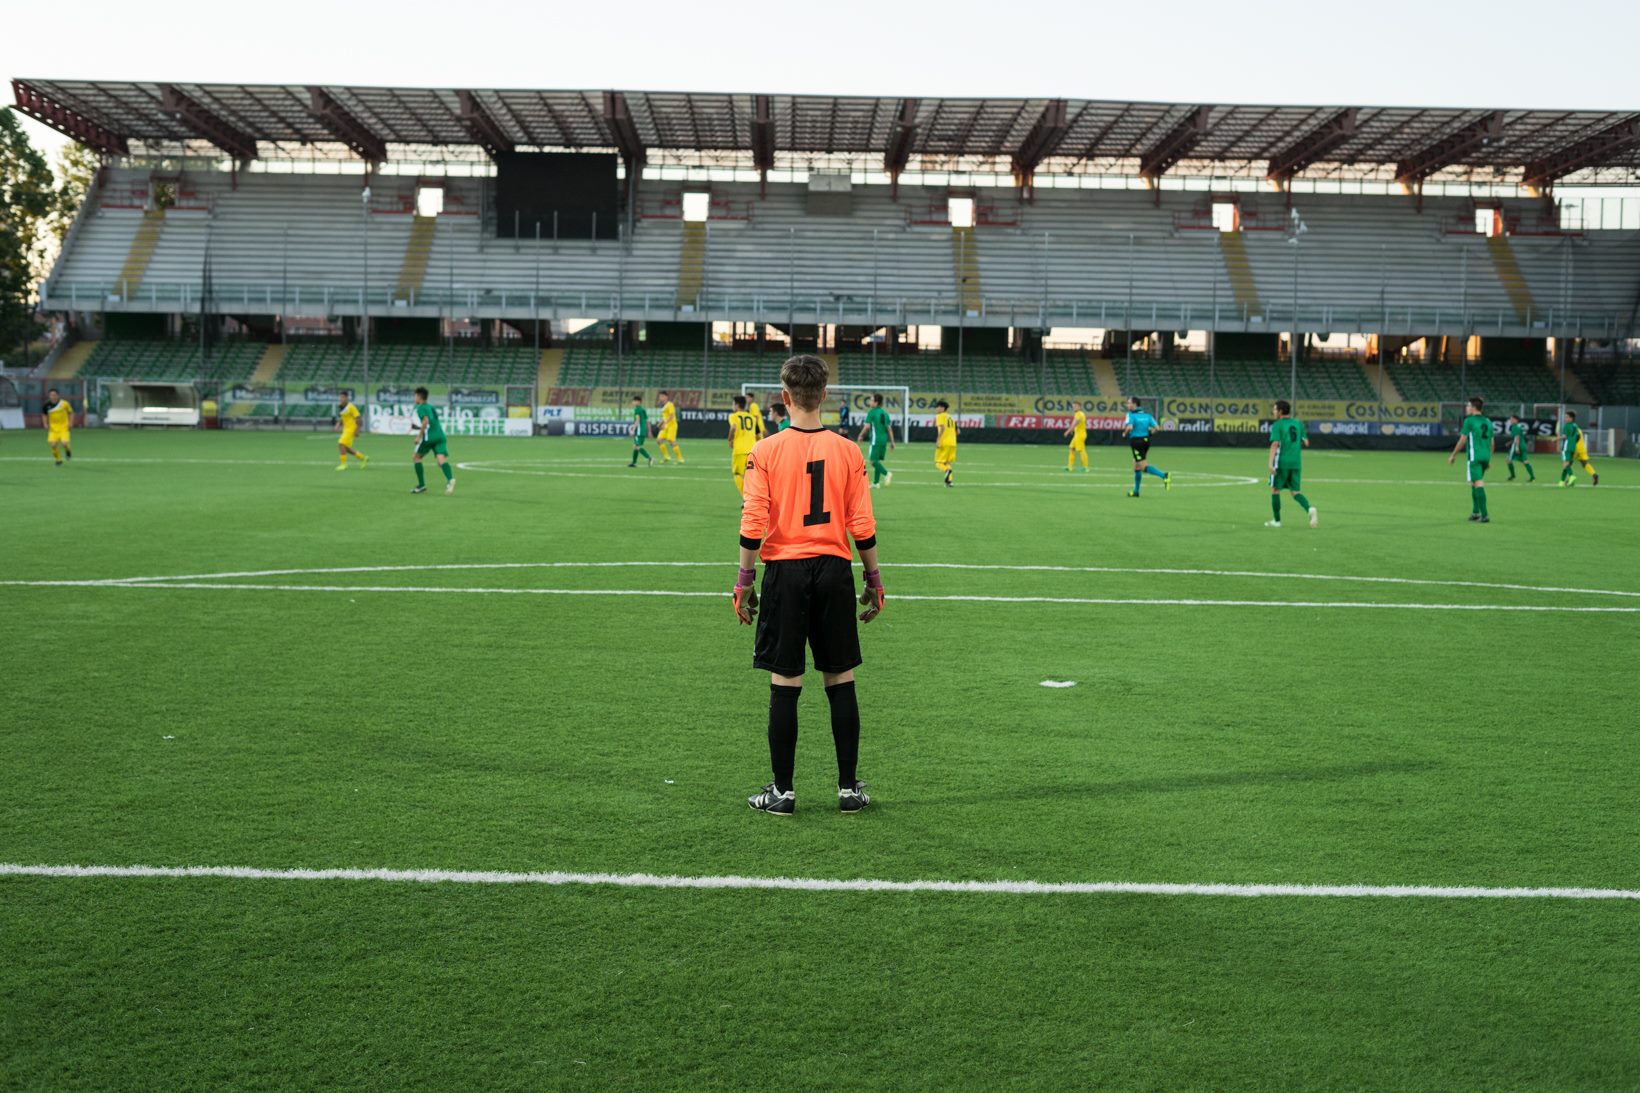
1601	442
846	405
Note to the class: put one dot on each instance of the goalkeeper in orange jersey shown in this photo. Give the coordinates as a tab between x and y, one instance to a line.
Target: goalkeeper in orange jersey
806	497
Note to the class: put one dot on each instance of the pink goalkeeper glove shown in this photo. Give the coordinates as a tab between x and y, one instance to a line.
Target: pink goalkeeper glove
745	596
873	598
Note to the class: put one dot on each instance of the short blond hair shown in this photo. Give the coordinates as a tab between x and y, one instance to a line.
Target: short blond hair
804	378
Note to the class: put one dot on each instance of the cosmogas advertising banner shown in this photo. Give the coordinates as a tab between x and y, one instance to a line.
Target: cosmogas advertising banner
607	411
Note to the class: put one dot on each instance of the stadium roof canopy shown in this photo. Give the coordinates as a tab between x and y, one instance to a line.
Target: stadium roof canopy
764	131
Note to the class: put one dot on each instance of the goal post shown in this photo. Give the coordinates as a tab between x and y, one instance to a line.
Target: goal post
852	398
1606	443
1601	443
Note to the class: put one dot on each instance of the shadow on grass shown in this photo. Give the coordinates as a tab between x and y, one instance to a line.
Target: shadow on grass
1181	783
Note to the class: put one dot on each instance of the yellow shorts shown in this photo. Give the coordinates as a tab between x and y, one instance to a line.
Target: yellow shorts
1079	444
57	436
1582	453
668	433
945	454
348	438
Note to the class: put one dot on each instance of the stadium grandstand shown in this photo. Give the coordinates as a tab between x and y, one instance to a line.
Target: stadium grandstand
597	242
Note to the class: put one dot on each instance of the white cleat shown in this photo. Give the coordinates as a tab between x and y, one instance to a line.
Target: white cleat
1312	516
888	479
450	486
1272	523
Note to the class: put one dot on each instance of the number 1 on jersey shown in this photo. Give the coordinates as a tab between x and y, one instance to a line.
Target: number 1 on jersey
817	513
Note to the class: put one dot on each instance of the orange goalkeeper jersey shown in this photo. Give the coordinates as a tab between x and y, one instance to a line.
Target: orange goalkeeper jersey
806	495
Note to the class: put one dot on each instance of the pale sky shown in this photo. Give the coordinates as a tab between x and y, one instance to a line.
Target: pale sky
1574	54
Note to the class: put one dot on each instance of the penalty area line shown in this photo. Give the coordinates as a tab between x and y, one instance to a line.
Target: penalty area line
1086	601
1140	570
816	884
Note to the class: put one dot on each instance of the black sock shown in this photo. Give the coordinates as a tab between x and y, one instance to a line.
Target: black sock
845	730
783	733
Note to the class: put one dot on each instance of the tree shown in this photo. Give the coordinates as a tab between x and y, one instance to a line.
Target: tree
27	197
76	166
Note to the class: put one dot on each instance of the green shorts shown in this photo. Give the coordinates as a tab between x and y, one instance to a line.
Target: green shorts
1477	470
432	446
1519	457
1286	478
878	453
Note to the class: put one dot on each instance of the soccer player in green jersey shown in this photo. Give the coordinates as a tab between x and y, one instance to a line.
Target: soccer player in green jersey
640	432
430	438
777	410
882	440
1475	439
1574	449
1288	439
1520	448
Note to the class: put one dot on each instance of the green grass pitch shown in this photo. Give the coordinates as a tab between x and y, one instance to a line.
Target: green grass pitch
1218	732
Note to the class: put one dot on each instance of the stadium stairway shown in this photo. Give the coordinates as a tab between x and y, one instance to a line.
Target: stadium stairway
1240	271
68	365
141	250
1386	393
965	264
1514	281
1105	373
273	359
692	263
1576	389
548	368
414	269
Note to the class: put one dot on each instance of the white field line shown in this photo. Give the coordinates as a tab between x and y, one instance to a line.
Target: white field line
817	884
714	477
978	566
1185	479
1497	480
915	470
208	462
671	594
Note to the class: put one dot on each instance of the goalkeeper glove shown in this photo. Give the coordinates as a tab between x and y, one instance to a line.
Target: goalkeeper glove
745	596
873	597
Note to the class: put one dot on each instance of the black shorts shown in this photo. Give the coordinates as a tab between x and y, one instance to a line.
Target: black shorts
807	601
1140	446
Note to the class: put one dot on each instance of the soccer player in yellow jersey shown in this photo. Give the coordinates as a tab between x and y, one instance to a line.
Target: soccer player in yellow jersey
757	414
743	434
1078	432
945	439
59	416
348	414
669	430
